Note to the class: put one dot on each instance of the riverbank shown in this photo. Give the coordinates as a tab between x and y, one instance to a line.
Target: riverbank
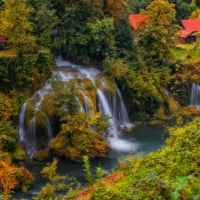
144	139
172	172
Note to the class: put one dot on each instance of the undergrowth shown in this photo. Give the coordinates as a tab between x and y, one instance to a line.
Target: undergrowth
173	172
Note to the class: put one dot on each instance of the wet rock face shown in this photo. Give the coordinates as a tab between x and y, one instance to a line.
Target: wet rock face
71	90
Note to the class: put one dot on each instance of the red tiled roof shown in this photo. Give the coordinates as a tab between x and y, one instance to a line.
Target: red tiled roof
136	20
191	25
2	39
184	33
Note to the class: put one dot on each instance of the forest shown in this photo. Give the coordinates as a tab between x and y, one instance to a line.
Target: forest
147	66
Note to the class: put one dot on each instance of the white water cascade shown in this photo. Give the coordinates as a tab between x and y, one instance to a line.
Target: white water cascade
109	104
195	95
27	134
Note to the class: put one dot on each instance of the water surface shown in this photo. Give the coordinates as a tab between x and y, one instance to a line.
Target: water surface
141	140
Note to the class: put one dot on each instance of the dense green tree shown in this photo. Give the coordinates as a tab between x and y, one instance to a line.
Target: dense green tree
115	68
8	137
43	16
15	25
59	6
137	5
185	11
159	32
145	88
123	35
87	33
102	41
44	21
195	14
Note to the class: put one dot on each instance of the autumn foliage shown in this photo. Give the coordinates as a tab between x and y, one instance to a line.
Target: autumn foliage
116	9
6	108
8	179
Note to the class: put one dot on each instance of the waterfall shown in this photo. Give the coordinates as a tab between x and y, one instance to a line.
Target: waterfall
105	108
28	132
195	95
110	103
123	116
22	131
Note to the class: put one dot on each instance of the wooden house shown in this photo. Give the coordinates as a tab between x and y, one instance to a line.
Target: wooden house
2	43
187	34
137	21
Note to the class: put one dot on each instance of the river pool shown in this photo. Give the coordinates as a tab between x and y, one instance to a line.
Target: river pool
141	140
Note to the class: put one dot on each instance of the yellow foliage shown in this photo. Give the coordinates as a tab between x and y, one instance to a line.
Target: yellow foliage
41	155
7	178
19	153
41	119
48	105
5	107
94	119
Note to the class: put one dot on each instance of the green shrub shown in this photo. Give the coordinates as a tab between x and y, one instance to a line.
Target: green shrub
170	173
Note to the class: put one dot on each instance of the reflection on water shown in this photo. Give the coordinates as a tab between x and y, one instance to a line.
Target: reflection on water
141	140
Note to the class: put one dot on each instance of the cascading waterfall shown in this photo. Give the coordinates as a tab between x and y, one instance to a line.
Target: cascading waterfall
28	134
105	108
123	116
195	95
22	131
109	103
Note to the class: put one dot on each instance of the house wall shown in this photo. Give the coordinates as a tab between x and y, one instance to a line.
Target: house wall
181	40
2	45
189	39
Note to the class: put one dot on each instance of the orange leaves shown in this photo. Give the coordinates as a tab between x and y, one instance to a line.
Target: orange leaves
108	181
7	177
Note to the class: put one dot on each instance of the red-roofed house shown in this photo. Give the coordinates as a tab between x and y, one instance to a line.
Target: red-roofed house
2	42
190	27
137	21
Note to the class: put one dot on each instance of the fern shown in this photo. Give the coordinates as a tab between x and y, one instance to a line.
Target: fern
87	169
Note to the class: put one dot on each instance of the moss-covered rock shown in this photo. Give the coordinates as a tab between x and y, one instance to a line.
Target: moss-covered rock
48	105
127	128
78	138
105	84
41	155
40	119
173	105
30	110
81	145
19	154
160	114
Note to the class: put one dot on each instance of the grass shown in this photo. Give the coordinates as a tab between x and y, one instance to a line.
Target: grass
185	46
186	53
12	53
7	53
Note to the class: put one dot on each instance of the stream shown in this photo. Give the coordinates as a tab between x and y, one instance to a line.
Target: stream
143	139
